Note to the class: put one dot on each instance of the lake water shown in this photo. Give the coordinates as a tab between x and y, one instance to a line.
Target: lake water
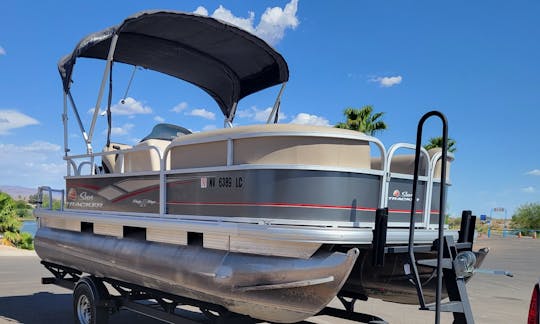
30	227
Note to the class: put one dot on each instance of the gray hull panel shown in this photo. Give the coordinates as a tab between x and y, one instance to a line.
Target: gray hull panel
276	289
276	194
289	194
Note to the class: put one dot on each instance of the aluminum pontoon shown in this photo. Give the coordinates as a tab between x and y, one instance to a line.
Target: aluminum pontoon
271	221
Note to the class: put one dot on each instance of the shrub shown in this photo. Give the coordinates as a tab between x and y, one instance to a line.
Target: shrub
527	217
27	241
21	240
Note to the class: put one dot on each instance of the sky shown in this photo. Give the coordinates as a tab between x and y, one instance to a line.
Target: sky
477	62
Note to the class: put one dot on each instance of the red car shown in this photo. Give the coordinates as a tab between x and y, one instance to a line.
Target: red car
535	305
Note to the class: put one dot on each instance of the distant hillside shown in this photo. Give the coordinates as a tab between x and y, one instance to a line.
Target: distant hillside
17	192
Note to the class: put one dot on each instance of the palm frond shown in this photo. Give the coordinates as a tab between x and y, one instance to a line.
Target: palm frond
362	120
435	142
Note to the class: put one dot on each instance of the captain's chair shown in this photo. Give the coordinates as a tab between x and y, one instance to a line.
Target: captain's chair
108	161
149	160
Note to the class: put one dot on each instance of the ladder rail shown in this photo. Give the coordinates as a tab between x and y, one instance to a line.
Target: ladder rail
442	199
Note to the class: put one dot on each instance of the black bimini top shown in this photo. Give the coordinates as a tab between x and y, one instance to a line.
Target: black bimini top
227	62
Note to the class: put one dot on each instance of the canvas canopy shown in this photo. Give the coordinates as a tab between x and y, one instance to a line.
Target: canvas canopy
227	62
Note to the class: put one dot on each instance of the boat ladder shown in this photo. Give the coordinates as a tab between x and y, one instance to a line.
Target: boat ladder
455	260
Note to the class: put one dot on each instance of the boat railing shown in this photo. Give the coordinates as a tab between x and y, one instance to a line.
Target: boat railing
76	169
383	171
432	179
50	193
399	175
231	138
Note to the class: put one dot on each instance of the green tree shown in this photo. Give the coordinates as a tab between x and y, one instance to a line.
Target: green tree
8	216
435	142
363	120
527	217
23	209
45	201
453	223
56	204
10	224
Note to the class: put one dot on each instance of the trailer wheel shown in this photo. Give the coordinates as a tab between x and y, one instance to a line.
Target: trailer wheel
88	294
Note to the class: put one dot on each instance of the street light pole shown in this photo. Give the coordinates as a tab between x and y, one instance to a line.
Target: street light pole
505	216
489	222
499	210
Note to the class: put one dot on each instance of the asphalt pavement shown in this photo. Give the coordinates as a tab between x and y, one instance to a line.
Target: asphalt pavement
494	299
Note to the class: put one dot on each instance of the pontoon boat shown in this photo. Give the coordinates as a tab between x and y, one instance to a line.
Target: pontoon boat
272	221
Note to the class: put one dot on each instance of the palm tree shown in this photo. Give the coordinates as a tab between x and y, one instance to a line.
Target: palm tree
363	120
438	142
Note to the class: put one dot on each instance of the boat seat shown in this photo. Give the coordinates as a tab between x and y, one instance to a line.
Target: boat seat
438	165
273	144
404	163
146	160
401	163
108	162
149	160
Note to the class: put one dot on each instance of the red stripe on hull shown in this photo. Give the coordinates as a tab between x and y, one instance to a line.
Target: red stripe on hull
86	186
276	204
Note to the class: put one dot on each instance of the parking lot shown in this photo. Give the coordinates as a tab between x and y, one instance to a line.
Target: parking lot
494	299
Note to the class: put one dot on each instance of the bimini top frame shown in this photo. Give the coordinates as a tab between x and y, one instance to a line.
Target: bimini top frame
227	62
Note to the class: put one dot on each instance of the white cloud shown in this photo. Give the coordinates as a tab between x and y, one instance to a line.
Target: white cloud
128	107
258	115
528	189
181	106
159	119
201	11
2	51
307	119
274	21
226	15
37	146
120	131
209	127
40	146
201	112
134	140
38	163
535	172
387	82
11	119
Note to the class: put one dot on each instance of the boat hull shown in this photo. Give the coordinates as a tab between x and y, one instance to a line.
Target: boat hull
276	289
320	196
391	283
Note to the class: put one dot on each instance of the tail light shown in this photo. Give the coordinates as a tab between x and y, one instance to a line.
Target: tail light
534	308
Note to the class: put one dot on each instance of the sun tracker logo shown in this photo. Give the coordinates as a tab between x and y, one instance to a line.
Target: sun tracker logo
72	194
400	196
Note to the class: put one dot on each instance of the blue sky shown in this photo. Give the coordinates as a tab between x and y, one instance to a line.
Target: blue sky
478	62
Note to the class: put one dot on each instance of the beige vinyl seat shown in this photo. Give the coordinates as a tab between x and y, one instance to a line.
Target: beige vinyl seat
437	173
404	163
273	144
108	161
145	160
149	152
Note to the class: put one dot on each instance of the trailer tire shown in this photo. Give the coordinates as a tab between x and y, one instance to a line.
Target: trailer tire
88	295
